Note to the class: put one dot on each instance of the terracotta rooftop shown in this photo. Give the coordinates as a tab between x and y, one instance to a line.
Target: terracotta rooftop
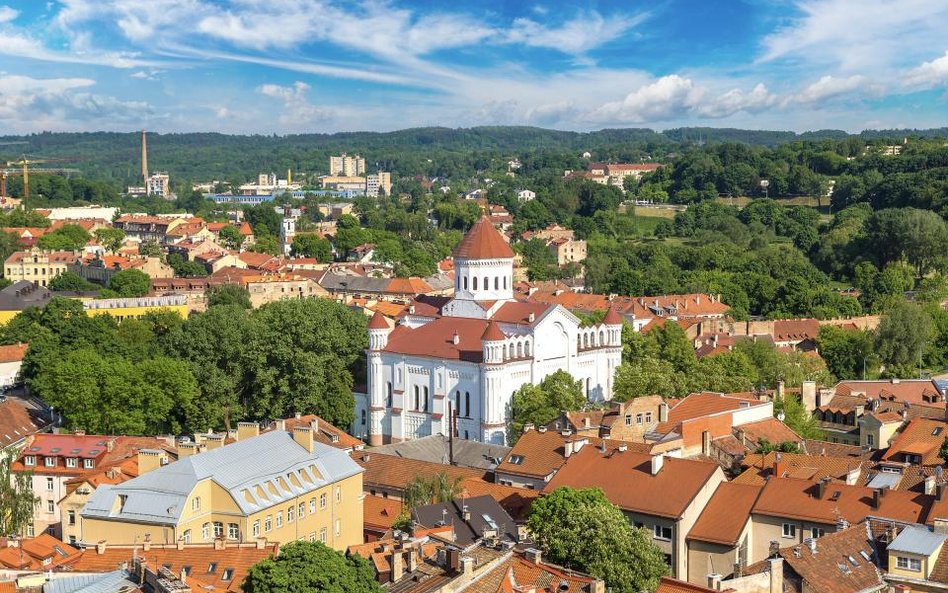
627	481
36	553
221	570
380	513
922	437
915	391
760	467
493	333
323	432
518	574
799	499
18	422
699	405
483	241
378	321
539	453
796	330
769	429
673	585
722	521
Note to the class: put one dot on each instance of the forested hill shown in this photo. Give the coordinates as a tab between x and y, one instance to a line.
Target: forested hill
115	156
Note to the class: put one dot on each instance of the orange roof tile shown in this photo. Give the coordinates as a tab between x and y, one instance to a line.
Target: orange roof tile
923	437
483	241
722	521
17	422
13	352
380	513
673	585
378	322
627	481
493	333
814	467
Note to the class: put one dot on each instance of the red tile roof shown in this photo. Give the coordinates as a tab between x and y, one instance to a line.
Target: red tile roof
798	499
794	465
612	317
13	352
796	330
17	422
483	241
673	585
380	513
915	391
627	481
436	339
493	333
722	521
378	321
703	404
923	437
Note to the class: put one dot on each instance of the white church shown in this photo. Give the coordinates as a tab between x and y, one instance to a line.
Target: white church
470	353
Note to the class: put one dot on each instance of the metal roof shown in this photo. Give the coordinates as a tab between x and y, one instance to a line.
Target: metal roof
435	449
253	471
110	582
885	480
917	540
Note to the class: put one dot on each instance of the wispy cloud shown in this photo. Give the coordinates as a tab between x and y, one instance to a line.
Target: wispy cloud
297	110
8	14
829	87
928	74
577	35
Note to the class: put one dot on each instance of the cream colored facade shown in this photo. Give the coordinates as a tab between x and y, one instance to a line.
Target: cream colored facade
875	433
705	558
267	289
331	513
37	266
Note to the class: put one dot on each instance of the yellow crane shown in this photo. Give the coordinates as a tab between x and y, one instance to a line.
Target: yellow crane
25	164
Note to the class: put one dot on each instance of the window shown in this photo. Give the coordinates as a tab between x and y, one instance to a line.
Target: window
388	394
417	399
426	398
211	567
206	531
228	574
312	506
29	460
363	417
49	484
279	519
218	529
71	517
628	419
49	462
233	531
664	533
267	524
338	527
913	564
467	404
72	540
88	463
638	419
474	283
256	528
290	514
338	494
50	506
322	535
72	462
30	530
196	503
789	530
301	510
186	536
870	439
648	417
817	532
322	501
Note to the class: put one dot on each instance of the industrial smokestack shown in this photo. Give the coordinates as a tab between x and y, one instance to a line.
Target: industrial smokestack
145	161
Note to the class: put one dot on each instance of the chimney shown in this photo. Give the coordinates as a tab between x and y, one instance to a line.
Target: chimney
852	476
658	460
811	543
941	526
398	569
706	443
148	460
567	449
776	575
280	424
877	495
467	566
533	555
714	581
821	488
110	445
214	441
246	430
303	435
146	545
578	444
184	575
456	339
528	427
412	560
314	424
100	546
187	450
622	448
780	388
930	485
663	412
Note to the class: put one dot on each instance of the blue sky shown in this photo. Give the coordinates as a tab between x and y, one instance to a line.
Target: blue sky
287	66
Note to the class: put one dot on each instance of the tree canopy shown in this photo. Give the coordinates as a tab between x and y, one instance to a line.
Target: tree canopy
311	567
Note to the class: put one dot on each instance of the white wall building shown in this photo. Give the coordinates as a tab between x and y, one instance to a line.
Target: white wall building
475	351
525	195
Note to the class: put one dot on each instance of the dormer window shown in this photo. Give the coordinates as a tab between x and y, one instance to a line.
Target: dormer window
49	461
72	462
29	460
88	463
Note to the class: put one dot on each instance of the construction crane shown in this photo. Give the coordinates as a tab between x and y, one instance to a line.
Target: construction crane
25	164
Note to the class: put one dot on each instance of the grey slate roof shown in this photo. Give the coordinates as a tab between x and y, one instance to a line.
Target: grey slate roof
485	512
435	449
160	495
915	539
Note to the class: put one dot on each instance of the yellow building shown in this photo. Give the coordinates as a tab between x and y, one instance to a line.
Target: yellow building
278	486
125	308
37	266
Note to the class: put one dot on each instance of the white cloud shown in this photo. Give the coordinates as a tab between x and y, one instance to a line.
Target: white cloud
297	111
867	36
29	104
667	98
734	100
829	87
8	14
15	44
579	34
928	74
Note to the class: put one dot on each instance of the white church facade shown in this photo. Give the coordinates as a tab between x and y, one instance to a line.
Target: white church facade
471	353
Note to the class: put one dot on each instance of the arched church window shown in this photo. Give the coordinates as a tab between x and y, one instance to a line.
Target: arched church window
467	404
457	403
496	282
426	398
526	348
388	394
417	399
519	350
486	283
465	283
474	283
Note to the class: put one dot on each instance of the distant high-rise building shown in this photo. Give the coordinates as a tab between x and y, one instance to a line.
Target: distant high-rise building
378	181
345	165
158	185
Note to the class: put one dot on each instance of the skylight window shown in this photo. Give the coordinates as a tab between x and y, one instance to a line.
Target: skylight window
516	459
852	561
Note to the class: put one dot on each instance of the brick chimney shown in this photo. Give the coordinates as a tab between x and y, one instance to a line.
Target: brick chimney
398	569
776	575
